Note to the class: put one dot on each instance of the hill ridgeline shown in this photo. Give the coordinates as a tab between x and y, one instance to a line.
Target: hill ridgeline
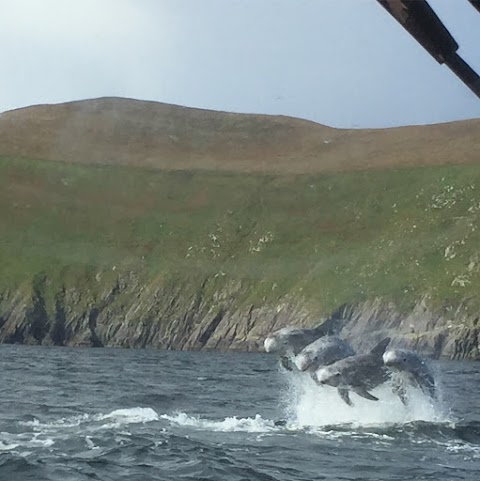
131	223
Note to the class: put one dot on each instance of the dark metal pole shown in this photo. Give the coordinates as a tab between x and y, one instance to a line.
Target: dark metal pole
464	72
475	3
419	19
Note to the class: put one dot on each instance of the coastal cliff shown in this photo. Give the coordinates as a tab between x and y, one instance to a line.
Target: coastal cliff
133	224
181	316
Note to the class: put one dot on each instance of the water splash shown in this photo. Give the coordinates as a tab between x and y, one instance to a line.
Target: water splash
307	404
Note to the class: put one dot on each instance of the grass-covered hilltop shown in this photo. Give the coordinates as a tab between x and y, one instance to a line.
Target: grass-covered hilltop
129	223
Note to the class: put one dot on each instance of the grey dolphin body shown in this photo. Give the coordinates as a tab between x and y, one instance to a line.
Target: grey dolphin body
289	341
413	370
322	352
359	373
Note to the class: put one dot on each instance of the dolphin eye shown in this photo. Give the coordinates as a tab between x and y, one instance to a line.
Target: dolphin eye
404	359
337	374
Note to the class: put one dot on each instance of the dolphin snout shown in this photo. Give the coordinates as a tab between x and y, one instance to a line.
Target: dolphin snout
316	380
270	344
322	376
390	358
302	362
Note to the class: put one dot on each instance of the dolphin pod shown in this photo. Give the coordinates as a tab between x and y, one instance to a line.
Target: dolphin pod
331	361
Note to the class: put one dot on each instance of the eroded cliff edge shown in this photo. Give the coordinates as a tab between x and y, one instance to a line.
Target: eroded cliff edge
213	316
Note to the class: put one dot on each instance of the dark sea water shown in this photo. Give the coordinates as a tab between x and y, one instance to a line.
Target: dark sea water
110	414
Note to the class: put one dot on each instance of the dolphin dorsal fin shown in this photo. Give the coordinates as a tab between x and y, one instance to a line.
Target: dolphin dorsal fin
379	349
320	331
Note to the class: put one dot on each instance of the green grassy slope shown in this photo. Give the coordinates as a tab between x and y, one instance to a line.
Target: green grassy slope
331	238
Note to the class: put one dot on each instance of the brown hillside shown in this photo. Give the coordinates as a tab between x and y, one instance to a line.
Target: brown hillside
132	132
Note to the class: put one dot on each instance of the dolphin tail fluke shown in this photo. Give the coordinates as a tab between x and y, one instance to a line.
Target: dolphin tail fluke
379	349
320	331
364	393
344	394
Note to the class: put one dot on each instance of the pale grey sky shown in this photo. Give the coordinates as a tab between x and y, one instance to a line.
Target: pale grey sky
344	63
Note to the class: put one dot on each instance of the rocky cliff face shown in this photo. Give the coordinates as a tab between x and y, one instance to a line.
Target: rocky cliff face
179	315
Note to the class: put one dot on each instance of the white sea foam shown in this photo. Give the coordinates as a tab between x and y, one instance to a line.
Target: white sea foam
129	416
116	418
464	448
68	422
42	443
44	434
10	442
8	447
229	424
90	444
310	405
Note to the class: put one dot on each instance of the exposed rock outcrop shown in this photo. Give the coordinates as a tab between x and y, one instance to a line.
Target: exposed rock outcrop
183	316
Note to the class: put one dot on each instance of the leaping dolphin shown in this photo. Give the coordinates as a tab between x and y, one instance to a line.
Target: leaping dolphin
322	352
413	370
360	373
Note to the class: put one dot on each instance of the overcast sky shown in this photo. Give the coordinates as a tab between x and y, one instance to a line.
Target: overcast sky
344	63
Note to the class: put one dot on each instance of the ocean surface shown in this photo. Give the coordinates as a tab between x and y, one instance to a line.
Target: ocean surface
112	414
